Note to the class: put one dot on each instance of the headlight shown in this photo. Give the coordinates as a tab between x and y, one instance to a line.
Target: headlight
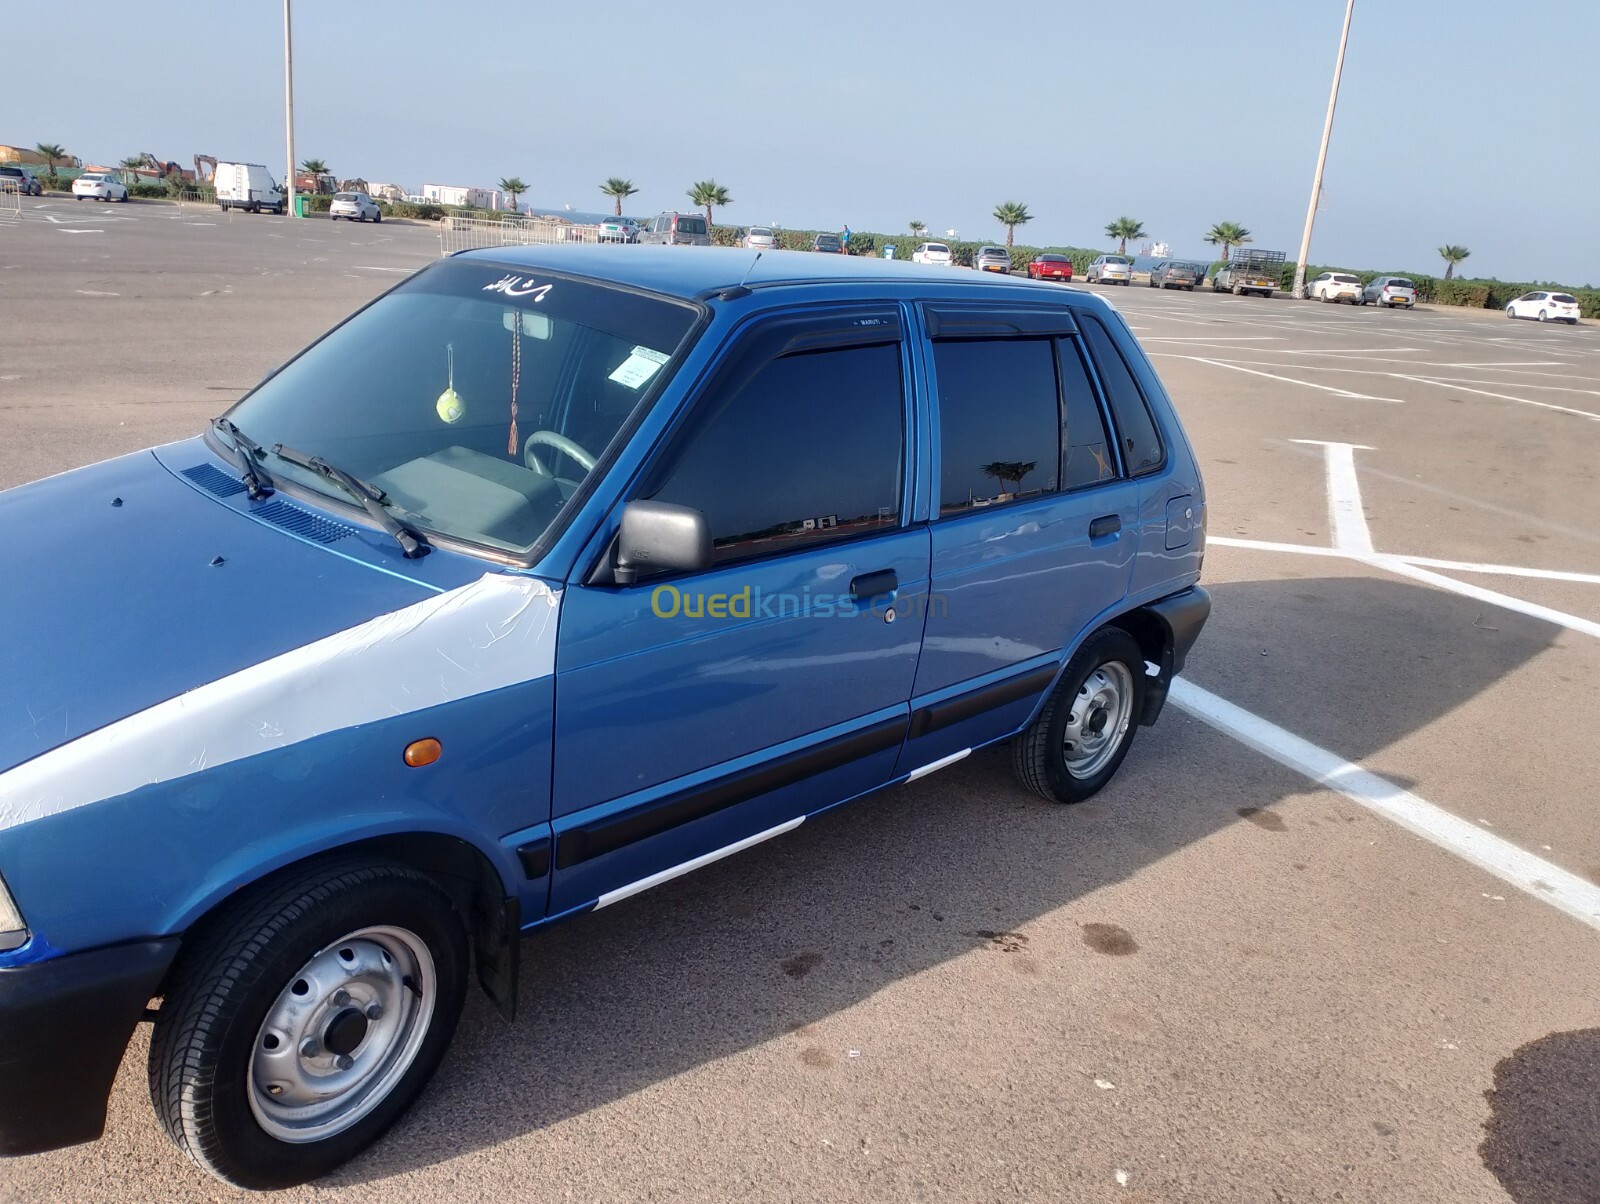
13	932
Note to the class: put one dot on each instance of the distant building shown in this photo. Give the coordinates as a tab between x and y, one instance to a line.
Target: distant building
471	198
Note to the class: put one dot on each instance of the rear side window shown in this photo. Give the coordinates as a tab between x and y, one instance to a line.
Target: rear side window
999	421
1141	442
1086	456
808	448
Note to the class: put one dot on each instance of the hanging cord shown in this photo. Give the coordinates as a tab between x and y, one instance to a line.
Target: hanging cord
516	377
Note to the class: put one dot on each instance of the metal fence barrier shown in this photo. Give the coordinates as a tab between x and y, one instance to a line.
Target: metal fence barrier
10	200
472	233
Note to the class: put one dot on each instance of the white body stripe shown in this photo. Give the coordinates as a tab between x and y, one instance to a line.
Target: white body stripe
687	867
496	632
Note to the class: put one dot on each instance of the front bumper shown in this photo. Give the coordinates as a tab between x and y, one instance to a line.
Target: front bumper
64	1025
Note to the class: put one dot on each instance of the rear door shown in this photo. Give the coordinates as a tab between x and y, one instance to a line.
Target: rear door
699	711
1035	523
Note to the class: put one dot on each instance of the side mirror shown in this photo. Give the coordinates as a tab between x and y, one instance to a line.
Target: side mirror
660	537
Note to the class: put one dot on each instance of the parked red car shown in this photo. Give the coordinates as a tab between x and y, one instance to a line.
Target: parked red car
1050	267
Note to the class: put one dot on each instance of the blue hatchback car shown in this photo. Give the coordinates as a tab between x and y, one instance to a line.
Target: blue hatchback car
549	576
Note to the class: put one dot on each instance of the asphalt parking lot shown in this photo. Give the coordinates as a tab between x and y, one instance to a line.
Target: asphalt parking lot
1330	934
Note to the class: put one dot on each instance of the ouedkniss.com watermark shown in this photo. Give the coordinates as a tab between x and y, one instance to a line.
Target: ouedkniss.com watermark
753	602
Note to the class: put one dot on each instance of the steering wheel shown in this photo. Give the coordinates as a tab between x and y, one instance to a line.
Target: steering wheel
561	443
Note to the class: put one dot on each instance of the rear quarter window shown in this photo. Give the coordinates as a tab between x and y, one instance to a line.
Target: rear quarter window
1136	427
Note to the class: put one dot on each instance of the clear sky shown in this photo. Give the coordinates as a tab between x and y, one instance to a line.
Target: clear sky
1464	121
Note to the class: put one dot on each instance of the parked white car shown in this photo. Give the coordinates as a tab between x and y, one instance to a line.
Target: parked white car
1545	307
98	186
354	207
932	252
1335	286
1109	269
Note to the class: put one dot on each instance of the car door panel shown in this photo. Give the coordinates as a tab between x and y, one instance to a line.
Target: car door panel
697	711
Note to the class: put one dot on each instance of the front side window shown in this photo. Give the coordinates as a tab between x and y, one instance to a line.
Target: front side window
807	447
999	421
1141	442
477	396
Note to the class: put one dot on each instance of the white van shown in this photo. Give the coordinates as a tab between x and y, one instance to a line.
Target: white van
247	186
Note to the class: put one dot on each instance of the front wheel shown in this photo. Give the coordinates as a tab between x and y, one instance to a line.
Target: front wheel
1076	743
377	217
1544	316
306	1019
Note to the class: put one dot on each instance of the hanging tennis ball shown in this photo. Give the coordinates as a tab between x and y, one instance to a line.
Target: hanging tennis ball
450	407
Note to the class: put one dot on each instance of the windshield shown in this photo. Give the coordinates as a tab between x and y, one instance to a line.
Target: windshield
1564	298
760	232
475	395
345	196
1052	259
938	248
691	225
1115	259
1399	283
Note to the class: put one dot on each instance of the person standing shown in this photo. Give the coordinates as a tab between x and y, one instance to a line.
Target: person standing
845	239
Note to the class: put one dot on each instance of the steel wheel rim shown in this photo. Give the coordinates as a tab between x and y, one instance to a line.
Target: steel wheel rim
1100	715
341	1034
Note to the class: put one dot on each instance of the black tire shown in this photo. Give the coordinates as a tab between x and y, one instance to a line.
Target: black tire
1038	754
235	970
377	218
1544	315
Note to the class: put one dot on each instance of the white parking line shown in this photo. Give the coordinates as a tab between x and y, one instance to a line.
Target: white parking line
373	268
1527	401
1274	376
1219	338
1540	879
1350	532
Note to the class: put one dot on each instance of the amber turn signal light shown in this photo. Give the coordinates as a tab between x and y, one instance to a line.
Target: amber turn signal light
423	752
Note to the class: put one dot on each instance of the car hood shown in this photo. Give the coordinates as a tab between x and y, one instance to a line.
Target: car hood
126	584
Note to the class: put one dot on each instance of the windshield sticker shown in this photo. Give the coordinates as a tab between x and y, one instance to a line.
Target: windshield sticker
519	286
642	363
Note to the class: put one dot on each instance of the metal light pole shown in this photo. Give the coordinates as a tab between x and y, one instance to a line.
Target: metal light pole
1322	157
288	107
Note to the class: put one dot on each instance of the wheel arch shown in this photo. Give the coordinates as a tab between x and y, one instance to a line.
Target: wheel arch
1165	630
468	876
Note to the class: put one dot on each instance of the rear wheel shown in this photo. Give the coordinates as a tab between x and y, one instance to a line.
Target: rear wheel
1074	746
306	1019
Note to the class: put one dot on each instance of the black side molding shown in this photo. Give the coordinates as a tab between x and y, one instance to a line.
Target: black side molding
965	706
535	858
603	836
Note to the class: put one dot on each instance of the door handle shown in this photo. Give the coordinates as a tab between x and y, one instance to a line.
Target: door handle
870	585
1106	524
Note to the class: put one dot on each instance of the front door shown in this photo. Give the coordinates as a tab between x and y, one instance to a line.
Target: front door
699	712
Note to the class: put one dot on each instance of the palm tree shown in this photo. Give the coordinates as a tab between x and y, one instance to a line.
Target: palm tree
513	188
1452	255
128	165
618	188
1227	235
709	193
53	153
917	228
1010	470
314	167
1123	229
1012	214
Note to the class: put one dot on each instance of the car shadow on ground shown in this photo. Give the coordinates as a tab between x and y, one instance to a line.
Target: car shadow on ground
756	947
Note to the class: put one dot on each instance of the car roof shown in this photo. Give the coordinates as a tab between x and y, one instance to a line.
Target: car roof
692	273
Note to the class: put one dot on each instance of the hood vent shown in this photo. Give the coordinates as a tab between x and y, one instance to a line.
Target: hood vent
302	522
214	481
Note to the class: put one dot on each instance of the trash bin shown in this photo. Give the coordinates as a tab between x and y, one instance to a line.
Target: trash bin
301	201
888	251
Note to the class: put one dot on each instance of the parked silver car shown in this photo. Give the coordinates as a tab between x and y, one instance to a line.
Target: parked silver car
1389	291
618	229
20	179
354	207
760	238
673	229
1109	269
992	259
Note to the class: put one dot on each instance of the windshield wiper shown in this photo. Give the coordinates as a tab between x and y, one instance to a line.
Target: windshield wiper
370	496
248	451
